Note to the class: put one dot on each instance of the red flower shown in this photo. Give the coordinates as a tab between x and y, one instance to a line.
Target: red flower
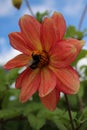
47	57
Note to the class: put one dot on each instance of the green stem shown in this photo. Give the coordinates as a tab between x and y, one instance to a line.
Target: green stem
69	111
28	5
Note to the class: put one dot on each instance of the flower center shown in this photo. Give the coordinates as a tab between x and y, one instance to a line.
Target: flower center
40	59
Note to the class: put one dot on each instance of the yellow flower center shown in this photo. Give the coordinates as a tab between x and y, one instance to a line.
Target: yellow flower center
40	59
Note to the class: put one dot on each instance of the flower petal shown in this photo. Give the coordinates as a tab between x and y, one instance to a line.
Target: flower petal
65	52
50	101
48	35
18	61
67	80
29	85
19	43
48	82
30	28
60	24
21	77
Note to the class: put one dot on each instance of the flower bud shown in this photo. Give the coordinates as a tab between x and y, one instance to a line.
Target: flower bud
17	3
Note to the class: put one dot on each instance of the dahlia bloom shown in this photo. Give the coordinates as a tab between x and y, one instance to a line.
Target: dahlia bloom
47	57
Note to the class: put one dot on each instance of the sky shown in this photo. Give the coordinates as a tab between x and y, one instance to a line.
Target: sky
9	17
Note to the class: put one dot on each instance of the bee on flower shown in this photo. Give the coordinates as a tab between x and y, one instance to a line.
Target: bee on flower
47	57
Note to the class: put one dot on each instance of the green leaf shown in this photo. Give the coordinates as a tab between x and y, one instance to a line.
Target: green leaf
63	121
83	115
36	122
72	32
10	113
58	117
44	113
2	80
81	55
59	124
11	98
31	107
40	16
11	76
83	126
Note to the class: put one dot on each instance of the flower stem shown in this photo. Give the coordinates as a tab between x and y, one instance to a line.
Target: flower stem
82	17
69	111
29	8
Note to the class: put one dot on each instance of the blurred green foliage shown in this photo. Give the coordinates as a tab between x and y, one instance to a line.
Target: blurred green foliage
74	33
40	16
32	115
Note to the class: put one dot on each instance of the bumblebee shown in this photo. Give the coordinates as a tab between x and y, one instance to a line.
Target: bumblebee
39	60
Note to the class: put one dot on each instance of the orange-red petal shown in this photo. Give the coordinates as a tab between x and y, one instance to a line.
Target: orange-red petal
48	35
30	28
48	82
19	61
59	24
67	80
18	42
65	52
29	85
50	101
21	77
